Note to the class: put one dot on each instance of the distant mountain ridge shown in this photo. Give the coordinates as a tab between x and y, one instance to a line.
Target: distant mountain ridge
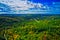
29	14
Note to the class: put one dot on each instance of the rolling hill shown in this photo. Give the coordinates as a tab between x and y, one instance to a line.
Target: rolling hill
30	27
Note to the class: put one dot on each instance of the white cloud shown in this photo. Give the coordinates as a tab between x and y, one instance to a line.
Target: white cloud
17	5
23	5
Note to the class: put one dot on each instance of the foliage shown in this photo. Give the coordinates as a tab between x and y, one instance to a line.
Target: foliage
20	28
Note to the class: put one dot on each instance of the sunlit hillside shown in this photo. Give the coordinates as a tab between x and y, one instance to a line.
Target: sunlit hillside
30	27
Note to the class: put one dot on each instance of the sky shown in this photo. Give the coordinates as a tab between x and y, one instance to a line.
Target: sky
29	6
44	1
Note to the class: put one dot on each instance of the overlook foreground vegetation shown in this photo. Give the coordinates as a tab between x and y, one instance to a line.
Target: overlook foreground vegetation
29	27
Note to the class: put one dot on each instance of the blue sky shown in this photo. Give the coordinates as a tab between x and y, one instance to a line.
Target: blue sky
44	1
30	6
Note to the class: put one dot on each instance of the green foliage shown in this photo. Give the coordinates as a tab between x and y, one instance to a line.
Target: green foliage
20	28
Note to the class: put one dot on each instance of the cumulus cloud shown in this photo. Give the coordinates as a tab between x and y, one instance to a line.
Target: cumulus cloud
24	6
20	4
